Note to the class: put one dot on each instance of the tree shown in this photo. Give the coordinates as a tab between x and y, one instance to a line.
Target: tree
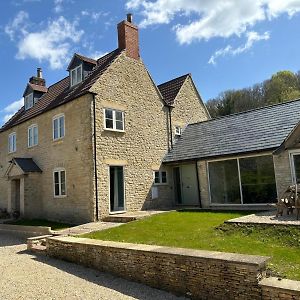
282	86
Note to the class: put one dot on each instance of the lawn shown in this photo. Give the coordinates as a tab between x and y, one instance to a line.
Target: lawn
39	222
205	230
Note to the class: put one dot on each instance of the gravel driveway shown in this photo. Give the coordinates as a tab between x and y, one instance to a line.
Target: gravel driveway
27	276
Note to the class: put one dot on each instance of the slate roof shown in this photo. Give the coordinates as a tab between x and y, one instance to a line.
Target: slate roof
170	89
61	93
256	130
27	165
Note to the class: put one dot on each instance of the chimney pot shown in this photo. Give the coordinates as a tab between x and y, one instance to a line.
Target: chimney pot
129	18
39	73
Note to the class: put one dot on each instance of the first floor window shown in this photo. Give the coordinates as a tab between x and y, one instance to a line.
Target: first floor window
178	131
59	183
32	135
12	142
58	127
160	177
28	101
114	119
249	180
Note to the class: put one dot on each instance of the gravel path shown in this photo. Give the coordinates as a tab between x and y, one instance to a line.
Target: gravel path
27	276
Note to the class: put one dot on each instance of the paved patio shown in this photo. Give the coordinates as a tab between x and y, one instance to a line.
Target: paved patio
267	217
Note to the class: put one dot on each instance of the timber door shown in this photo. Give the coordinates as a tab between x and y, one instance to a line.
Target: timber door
186	185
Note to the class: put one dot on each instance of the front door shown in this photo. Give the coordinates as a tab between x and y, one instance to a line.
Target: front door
186	185
117	197
15	196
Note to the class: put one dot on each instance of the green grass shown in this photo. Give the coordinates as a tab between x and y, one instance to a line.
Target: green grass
39	222
205	230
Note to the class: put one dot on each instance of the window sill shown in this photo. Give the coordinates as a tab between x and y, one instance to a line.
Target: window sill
12	152
30	147
114	130
59	197
58	139
160	184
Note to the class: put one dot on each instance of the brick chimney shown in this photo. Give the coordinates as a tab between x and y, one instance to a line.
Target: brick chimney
128	37
38	79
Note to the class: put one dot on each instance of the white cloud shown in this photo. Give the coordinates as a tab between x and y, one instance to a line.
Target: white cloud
252	37
11	109
197	20
52	44
17	25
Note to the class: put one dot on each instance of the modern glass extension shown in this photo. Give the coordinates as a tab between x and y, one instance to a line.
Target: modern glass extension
247	180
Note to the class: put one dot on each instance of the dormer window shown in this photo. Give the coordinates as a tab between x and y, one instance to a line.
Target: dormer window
28	101
76	75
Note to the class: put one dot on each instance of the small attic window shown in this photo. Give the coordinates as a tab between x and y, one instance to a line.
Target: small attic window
28	101
76	75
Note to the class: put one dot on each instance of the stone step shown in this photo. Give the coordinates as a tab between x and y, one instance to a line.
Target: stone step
119	219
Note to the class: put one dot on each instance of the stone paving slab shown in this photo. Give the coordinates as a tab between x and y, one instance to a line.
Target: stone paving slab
87	228
268	218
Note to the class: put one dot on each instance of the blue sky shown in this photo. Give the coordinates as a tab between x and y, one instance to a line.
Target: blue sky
224	44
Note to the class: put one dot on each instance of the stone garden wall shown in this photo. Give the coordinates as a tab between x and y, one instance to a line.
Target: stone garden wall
194	273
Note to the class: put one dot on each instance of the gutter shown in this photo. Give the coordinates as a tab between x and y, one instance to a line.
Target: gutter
95	157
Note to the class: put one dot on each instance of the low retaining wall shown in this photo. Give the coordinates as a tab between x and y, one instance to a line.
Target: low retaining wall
274	289
34	230
194	273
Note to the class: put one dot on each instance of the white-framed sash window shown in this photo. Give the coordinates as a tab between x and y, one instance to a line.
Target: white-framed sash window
12	142
59	183
58	127
76	75
28	101
33	135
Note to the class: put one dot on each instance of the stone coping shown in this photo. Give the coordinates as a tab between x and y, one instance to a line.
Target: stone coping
283	284
214	255
29	229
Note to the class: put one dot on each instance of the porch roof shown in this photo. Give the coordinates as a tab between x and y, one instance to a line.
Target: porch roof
251	131
27	165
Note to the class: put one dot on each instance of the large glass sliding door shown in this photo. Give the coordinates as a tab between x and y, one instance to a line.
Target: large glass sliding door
249	180
224	182
258	179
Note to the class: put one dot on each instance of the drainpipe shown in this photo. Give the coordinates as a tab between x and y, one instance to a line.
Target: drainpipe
198	183
95	157
170	125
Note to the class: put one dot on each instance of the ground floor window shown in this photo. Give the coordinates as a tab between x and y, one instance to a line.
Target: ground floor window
59	177
249	180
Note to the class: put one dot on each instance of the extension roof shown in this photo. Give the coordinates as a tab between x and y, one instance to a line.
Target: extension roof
61	93
252	131
170	89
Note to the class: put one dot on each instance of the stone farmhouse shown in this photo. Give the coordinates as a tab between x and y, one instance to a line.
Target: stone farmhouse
92	144
106	139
